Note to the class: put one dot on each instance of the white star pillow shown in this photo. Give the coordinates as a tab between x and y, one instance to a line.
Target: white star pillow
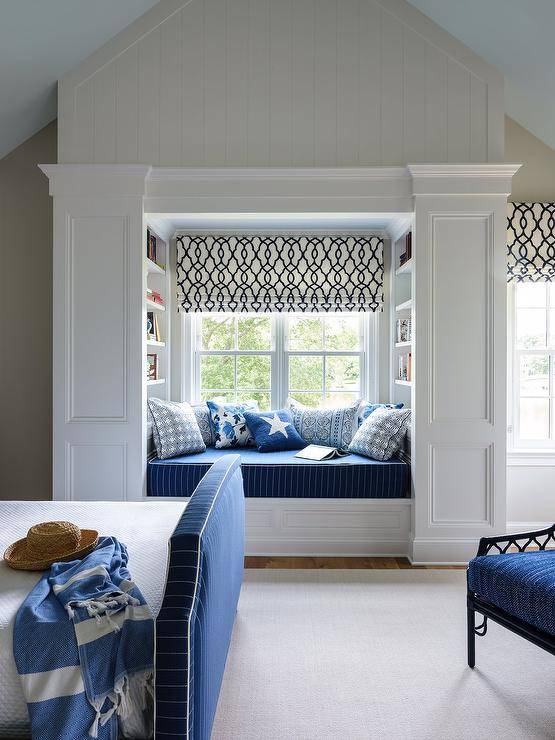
277	425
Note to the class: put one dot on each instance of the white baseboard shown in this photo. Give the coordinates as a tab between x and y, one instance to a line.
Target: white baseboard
372	527
443	552
515	527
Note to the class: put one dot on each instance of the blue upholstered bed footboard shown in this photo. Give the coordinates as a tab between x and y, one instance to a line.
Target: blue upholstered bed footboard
282	475
194	626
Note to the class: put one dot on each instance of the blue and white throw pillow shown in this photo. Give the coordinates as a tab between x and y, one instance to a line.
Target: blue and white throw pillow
174	429
381	435
274	431
202	414
366	408
334	427
229	425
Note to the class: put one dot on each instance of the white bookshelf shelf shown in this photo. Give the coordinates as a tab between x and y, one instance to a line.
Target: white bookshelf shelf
159	381
153	268
154	306
403	382
406	268
154	343
406	306
398	345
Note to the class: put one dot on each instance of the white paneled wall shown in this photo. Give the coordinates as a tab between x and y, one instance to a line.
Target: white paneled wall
285	83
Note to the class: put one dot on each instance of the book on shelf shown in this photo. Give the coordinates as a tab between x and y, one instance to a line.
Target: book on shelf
403	330
151	245
152	327
152	366
320	452
407	254
405	367
154	296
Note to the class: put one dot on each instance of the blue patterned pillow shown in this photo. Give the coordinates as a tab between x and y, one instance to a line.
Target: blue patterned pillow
229	425
174	429
333	427
202	414
274	431
381	435
366	409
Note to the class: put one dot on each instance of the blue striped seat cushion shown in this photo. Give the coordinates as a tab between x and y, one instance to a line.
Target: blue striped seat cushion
520	583
281	475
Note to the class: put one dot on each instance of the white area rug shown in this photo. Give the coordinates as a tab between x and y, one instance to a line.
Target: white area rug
364	654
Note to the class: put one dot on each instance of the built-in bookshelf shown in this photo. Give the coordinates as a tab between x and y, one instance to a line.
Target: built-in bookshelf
157	327
402	318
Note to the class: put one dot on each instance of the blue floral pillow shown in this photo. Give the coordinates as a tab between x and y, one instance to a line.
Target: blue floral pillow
229	425
274	431
365	409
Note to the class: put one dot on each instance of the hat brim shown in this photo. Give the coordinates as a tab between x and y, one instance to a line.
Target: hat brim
17	556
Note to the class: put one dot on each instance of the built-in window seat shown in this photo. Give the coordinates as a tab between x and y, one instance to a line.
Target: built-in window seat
282	475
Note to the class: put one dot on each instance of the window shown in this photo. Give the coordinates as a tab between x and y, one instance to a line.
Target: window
533	366
318	359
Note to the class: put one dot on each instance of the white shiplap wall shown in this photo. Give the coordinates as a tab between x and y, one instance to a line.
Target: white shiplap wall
281	82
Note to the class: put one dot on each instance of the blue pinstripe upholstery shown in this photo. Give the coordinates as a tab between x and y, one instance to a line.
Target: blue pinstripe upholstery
281	475
520	583
194	626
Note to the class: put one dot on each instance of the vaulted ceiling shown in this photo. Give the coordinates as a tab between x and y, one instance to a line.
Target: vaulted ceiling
41	41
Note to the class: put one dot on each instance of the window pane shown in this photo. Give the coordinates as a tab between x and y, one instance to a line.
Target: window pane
305	333
534	375
253	371
342	332
342	373
254	332
530	295
534	418
218	332
263	399
218	396
552	327
306	373
217	371
339	399
530	328
313	400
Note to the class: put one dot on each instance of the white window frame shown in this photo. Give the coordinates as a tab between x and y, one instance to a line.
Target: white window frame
191	354
525	450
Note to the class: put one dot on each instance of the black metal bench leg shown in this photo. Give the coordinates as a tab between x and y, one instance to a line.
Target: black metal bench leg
470	636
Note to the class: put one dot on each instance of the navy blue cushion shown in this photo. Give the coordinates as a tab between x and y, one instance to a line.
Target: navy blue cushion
282	475
274	431
520	583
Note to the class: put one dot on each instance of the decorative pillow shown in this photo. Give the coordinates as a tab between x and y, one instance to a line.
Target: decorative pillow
382	434
274	431
229	425
174	428
333	427
202	415
366	408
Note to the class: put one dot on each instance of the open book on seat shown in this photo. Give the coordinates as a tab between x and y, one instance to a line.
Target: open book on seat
319	452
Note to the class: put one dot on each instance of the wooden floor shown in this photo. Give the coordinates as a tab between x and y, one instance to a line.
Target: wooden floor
262	561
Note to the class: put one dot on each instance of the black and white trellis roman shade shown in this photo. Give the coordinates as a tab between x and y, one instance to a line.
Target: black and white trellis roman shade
531	242
286	272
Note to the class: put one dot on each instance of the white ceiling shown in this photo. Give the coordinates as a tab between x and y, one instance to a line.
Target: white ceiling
41	40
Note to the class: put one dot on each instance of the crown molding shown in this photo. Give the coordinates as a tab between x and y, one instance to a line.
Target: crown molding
462	178
97	179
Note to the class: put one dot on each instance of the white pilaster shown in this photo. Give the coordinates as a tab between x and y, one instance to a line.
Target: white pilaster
98	332
459	289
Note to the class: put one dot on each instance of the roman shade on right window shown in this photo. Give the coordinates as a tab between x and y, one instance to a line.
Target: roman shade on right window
531	242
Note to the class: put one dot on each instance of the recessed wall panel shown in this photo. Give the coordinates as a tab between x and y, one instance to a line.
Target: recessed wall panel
461	317
96	319
97	472
461	485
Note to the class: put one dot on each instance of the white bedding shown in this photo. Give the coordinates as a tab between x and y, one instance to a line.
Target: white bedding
144	527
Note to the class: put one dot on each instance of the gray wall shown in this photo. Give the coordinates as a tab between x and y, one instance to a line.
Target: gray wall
535	181
26	310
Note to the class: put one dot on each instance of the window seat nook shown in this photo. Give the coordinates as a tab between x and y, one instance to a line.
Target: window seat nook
282	475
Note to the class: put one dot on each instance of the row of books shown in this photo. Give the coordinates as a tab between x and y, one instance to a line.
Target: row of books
403	330
154	296
407	254
152	248
405	367
152	327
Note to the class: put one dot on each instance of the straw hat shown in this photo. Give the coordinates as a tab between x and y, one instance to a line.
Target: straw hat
50	542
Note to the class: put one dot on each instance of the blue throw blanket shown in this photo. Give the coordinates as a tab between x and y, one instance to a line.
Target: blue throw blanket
83	646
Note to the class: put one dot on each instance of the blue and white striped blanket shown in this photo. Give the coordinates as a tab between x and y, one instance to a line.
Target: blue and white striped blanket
83	646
